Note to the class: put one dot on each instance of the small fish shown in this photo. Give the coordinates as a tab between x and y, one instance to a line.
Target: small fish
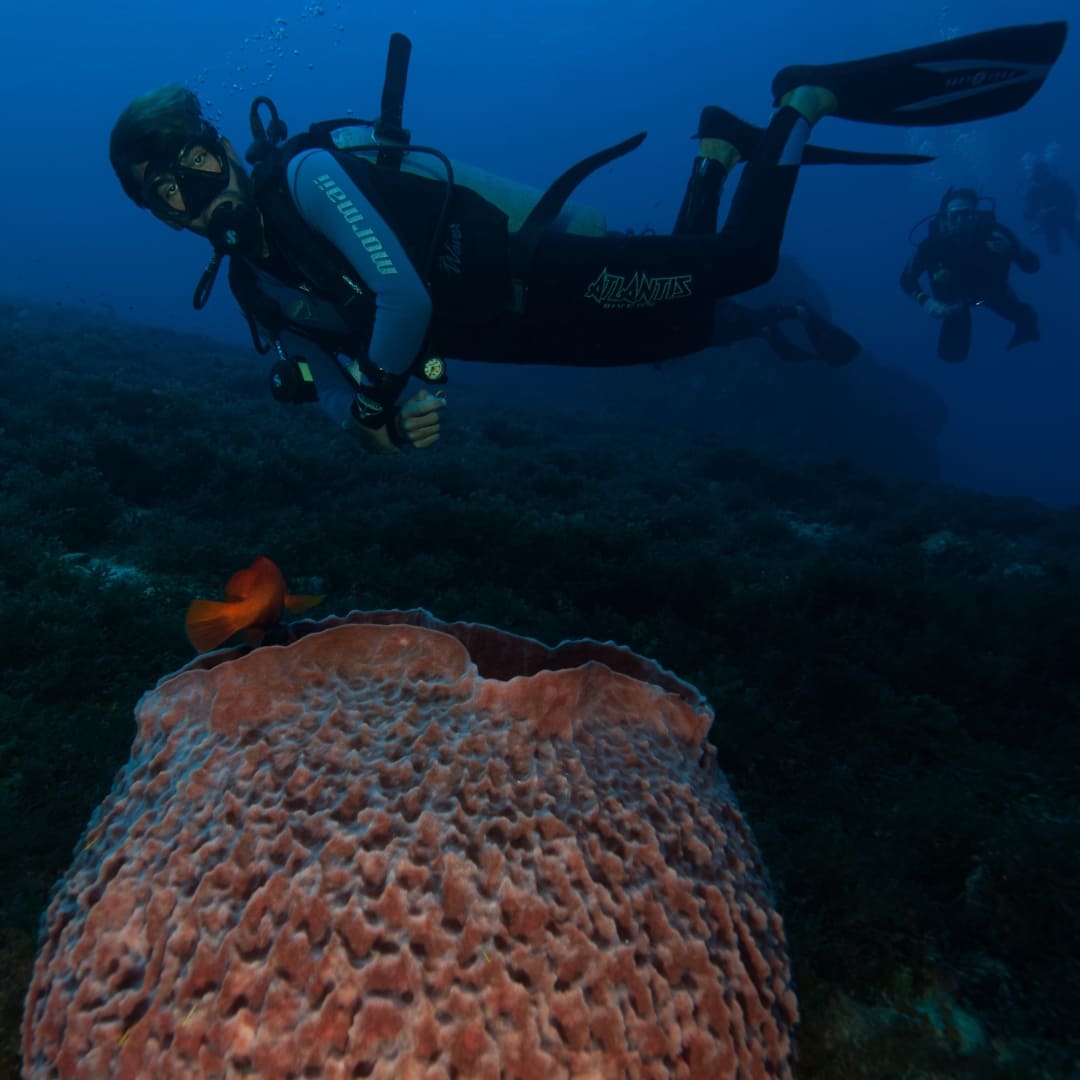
255	599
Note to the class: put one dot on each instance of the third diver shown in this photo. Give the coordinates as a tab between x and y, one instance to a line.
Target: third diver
966	256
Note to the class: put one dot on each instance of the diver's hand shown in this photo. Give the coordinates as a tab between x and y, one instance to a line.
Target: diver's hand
418	419
999	243
938	310
374	440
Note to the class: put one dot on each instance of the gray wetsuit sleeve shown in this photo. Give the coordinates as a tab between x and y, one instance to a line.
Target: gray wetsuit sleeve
335	388
332	204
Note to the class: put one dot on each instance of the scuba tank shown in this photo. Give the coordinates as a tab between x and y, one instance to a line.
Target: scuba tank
514	199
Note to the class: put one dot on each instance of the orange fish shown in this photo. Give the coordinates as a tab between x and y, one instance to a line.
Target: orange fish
255	599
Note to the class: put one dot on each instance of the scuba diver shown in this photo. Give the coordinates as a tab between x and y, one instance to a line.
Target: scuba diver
360	273
1051	203
966	255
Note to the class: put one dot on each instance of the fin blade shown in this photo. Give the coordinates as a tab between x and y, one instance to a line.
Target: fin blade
832	344
784	347
949	82
831	155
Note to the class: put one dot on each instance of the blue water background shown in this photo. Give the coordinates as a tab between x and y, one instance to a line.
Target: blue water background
525	89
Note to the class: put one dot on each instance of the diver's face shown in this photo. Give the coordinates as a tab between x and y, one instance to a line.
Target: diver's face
958	220
200	180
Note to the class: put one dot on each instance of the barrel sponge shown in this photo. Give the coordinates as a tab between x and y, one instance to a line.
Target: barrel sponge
406	849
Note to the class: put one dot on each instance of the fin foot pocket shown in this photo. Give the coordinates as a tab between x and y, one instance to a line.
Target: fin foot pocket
718	123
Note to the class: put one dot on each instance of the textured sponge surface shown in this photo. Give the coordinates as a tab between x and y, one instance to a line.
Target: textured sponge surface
355	856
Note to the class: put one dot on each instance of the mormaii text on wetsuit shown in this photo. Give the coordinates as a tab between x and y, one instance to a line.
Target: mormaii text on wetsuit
348	210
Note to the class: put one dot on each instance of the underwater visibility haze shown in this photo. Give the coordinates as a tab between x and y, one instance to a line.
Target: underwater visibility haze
526	90
871	572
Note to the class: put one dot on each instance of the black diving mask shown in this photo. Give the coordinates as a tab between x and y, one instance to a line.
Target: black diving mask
179	188
958	219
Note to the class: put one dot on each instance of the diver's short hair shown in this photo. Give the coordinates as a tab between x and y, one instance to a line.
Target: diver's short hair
148	127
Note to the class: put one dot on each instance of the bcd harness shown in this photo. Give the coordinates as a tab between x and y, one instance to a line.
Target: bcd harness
418	209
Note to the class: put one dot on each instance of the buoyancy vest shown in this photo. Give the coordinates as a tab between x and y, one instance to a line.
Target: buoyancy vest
455	239
459	242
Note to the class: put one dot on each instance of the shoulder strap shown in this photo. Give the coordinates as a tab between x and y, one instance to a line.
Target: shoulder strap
311	256
311	253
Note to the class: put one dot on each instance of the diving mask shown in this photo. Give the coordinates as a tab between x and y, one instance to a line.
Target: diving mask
961	216
959	220
179	187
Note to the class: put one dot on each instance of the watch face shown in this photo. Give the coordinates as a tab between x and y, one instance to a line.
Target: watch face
434	368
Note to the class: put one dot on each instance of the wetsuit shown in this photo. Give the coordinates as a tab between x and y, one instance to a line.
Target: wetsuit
734	322
970	275
1051	203
577	300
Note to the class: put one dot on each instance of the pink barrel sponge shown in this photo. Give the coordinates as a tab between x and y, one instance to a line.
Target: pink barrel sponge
406	849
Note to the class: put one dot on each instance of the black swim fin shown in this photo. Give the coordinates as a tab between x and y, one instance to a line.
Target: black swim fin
950	82
717	123
832	155
783	346
835	346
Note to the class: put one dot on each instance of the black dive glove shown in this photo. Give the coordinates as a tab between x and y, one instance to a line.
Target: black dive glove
375	406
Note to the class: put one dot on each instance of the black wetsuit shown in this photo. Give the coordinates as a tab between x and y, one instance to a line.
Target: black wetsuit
734	322
615	299
969	274
1051	203
577	300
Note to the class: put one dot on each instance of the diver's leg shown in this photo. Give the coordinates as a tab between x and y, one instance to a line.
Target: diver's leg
638	299
701	202
739	322
954	341
834	345
736	322
1026	327
723	141
770	319
698	216
1023	316
1052	232
749	242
